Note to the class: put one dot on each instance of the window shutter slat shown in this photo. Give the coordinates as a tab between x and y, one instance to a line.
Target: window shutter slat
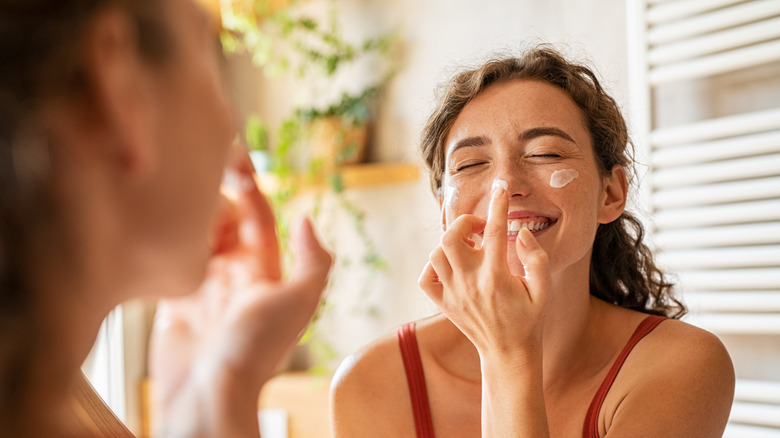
680	9
722	127
741	191
734	430
732	235
713	258
729	170
745	212
756	413
714	43
750	56
711	22
730	279
739	147
738	324
735	301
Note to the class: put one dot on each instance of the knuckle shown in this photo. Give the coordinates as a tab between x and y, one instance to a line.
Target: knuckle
450	238
540	258
436	254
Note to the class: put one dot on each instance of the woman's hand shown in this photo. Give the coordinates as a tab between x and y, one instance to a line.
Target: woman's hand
212	352
473	287
501	314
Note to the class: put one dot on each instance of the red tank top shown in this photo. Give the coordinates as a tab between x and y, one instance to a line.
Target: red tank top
415	378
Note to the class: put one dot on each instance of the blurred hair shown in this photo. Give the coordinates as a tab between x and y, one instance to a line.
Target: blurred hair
41	47
622	269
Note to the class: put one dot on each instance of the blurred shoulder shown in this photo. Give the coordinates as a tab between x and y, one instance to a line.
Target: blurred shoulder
369	391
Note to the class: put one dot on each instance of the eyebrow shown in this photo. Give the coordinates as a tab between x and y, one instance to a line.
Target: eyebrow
529	134
543	131
468	142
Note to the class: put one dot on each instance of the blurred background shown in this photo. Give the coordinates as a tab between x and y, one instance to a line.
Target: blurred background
332	96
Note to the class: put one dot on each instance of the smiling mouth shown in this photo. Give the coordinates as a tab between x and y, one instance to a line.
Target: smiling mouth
514	226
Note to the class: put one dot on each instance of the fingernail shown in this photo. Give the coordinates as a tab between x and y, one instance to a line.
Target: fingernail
499	184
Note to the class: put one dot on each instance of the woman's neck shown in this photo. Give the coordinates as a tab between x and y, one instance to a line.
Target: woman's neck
65	324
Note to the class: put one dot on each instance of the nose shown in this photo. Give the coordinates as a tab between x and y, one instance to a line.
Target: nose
517	176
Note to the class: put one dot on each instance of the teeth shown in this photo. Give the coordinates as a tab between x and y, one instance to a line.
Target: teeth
514	226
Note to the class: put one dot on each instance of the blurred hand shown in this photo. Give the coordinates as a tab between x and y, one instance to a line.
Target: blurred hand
211	352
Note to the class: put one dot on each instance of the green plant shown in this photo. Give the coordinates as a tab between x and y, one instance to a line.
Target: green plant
283	39
313	52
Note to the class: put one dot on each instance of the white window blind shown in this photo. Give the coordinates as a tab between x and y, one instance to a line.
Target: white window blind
705	113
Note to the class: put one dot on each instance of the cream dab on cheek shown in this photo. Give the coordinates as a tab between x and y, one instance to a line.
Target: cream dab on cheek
450	193
561	178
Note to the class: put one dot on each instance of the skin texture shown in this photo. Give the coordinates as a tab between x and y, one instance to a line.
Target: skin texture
137	164
521	346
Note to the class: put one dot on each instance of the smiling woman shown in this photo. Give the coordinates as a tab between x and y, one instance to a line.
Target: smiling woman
555	320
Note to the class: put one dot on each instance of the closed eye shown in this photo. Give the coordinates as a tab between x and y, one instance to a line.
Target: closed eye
467	166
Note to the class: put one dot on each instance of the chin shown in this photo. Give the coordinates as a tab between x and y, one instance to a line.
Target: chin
186	279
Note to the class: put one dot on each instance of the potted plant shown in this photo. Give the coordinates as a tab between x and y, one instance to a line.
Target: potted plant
309	147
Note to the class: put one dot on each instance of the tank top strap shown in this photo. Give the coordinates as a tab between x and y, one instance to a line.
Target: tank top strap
591	428
415	378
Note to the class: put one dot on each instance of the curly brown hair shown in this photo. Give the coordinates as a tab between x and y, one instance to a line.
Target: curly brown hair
622	269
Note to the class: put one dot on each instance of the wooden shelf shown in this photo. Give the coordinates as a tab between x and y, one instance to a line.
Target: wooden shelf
376	174
357	176
304	397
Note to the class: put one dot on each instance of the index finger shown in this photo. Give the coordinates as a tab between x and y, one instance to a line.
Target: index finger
256	221
494	243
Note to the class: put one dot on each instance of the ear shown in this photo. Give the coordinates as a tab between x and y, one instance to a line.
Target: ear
120	85
615	192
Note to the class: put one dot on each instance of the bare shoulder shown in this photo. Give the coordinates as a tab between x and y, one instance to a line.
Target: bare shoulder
688	351
369	395
679	379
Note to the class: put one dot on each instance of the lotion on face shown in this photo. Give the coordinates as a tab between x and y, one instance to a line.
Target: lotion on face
450	194
561	178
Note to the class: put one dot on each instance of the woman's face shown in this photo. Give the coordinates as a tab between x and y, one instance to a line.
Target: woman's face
193	134
532	135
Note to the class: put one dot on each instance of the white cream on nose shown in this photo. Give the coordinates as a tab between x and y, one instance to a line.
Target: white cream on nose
500	183
561	178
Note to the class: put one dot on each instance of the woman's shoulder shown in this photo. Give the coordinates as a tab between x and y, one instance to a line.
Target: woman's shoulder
675	348
369	391
670	341
371	365
674	339
683	371
380	363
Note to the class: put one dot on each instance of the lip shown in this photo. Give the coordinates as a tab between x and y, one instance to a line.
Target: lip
527	214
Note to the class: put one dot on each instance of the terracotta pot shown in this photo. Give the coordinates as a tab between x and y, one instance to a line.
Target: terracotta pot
336	143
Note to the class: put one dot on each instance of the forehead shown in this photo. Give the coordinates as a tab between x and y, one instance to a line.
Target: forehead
515	106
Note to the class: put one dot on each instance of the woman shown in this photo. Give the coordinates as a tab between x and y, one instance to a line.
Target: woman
115	132
542	279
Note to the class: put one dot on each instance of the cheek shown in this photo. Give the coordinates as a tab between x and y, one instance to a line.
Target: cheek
464	196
